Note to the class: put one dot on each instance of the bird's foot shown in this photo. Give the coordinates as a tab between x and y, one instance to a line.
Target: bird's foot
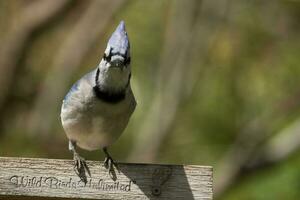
110	164
80	167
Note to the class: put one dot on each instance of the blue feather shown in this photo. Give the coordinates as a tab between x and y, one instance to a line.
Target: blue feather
119	41
73	89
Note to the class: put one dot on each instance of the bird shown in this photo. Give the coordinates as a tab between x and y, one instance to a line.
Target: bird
97	108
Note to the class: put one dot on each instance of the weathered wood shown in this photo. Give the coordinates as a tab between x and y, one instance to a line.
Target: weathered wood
32	177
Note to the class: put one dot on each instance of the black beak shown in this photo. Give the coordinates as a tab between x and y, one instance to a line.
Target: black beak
119	62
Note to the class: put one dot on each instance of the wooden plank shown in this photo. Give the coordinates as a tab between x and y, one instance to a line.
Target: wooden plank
32	177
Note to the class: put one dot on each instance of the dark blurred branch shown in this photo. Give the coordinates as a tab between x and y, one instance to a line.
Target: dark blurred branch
84	34
239	153
278	148
251	152
12	46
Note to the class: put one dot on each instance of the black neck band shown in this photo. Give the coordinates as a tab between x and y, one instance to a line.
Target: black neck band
108	96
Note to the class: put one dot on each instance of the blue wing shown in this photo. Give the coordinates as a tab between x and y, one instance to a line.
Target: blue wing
73	89
76	86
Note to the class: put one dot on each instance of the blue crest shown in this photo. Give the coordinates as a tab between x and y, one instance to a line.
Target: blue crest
119	41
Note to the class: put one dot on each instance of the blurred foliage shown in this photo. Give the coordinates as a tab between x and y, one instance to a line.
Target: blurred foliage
250	72
281	182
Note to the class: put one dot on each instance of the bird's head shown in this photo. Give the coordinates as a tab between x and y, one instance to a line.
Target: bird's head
117	52
114	67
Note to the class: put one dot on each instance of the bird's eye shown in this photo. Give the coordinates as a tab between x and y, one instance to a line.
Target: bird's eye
127	61
107	58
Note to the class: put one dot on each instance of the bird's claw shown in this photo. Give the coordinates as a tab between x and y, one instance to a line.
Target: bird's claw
80	166
109	164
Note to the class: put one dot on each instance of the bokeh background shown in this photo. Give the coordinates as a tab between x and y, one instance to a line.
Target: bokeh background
217	83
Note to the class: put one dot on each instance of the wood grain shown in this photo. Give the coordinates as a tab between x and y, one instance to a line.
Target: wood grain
32	177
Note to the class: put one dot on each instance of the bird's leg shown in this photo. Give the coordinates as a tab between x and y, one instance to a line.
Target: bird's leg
80	165
109	163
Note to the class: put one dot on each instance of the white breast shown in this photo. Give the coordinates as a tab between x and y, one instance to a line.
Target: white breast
92	123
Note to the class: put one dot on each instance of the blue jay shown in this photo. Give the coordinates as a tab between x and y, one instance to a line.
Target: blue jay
97	108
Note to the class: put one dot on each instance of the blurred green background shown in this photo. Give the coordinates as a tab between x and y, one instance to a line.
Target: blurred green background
217	83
